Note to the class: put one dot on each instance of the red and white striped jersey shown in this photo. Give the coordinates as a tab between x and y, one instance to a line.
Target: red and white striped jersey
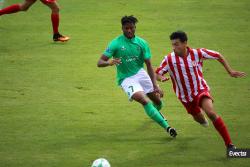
186	72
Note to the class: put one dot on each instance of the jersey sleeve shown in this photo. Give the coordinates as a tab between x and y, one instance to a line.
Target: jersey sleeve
146	51
163	68
110	51
209	54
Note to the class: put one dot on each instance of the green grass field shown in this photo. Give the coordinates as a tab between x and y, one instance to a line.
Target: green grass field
57	109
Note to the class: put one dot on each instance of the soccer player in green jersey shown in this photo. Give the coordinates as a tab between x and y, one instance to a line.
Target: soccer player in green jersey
129	53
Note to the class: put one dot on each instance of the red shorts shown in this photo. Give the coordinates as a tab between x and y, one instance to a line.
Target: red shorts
48	1
44	1
193	107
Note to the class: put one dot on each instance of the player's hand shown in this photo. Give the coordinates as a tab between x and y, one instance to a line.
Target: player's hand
237	74
164	79
158	90
115	61
161	78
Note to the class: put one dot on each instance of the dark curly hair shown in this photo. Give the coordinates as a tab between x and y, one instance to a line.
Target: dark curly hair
179	35
129	19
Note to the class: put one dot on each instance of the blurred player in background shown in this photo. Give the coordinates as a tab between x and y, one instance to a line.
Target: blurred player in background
52	4
184	66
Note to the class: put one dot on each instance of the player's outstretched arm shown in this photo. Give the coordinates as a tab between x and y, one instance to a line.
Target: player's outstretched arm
104	61
231	72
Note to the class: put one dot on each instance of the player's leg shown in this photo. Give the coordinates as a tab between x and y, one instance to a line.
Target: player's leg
149	108
207	105
156	99
157	102
134	90
152	112
200	118
17	7
193	109
55	20
145	84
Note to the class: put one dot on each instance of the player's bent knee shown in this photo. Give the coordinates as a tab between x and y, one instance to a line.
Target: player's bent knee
139	97
143	101
199	118
24	8
55	9
212	116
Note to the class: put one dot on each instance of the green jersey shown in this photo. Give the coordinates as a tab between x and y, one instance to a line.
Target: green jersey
132	53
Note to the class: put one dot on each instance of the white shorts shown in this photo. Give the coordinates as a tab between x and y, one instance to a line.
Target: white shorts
140	82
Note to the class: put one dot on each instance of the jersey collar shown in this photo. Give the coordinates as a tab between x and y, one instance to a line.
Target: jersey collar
129	40
188	52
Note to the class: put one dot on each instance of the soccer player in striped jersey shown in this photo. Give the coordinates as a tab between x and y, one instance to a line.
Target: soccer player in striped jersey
129	53
52	4
184	66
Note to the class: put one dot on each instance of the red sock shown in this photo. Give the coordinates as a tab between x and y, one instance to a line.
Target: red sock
55	22
222	129
11	9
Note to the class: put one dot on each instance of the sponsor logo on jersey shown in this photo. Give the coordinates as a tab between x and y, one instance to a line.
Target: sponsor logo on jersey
194	63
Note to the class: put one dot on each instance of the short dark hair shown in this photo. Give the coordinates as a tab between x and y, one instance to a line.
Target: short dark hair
179	35
129	19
